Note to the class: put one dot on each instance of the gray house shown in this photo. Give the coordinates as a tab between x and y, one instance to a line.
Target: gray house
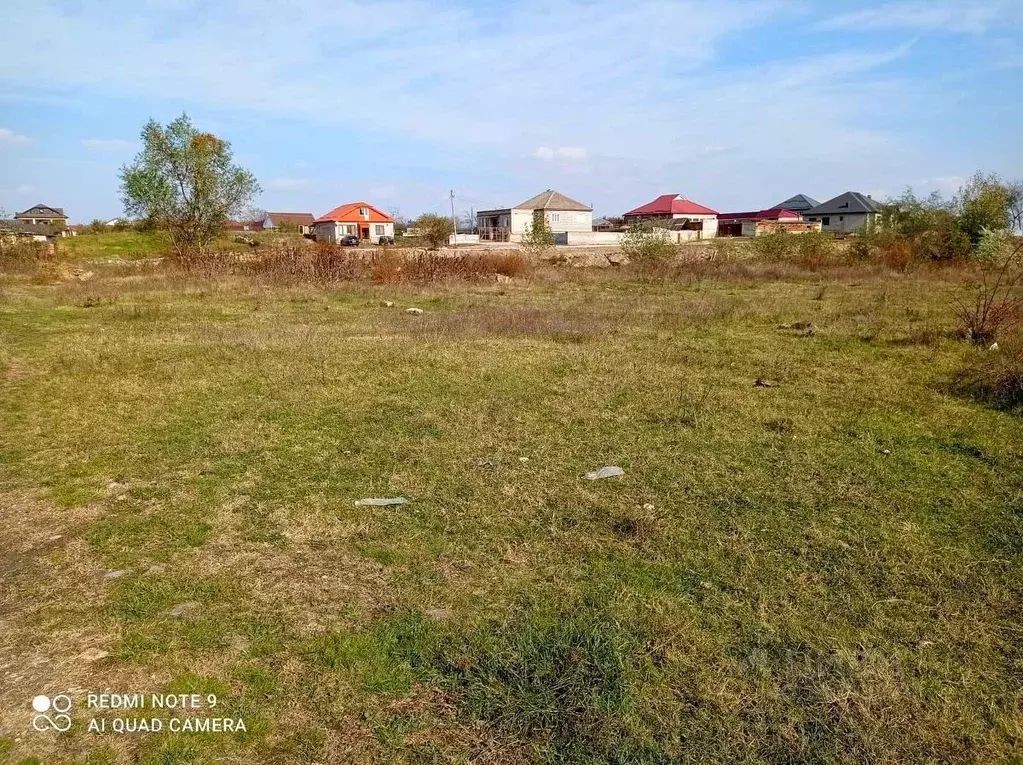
800	203
563	215
847	213
43	214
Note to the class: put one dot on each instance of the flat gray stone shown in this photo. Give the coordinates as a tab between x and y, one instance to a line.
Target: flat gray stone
609	471
380	501
183	610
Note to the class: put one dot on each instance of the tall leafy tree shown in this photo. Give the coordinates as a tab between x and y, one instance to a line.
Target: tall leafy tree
983	204
184	181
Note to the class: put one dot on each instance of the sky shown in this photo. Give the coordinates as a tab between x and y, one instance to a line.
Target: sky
736	104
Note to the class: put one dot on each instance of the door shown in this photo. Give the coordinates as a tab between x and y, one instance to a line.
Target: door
364	234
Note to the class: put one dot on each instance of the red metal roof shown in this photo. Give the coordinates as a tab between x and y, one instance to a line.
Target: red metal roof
349	213
773	214
672	204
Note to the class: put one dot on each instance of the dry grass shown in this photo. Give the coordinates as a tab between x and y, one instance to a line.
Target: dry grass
826	569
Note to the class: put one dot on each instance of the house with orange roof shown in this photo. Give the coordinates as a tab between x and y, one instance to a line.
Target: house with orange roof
359	219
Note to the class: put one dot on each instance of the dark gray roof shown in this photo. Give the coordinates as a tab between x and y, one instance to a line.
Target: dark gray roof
25	228
552	200
849	202
41	210
799	203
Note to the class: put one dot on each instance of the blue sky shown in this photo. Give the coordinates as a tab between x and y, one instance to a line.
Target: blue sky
737	104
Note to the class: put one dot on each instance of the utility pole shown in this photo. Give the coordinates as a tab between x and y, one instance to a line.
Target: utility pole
454	220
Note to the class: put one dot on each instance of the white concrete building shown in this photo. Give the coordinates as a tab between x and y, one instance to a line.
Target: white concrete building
848	213
563	215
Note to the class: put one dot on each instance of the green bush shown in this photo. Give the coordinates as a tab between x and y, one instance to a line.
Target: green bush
538	240
776	246
814	249
648	246
435	229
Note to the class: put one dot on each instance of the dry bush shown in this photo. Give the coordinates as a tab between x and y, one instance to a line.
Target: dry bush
22	257
283	263
996	303
815	250
896	251
510	264
995	377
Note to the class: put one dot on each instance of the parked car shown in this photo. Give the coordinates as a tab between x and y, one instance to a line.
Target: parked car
349	240
385	240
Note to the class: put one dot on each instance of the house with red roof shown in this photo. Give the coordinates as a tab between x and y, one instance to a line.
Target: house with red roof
359	219
679	213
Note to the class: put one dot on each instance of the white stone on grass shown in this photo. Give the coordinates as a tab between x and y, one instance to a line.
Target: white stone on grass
609	471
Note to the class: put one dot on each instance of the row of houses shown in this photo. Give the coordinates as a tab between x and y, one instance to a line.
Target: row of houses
572	222
359	219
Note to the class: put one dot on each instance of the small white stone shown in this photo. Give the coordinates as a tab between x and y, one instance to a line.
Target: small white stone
609	471
886	451
114	574
648	506
388	304
414	311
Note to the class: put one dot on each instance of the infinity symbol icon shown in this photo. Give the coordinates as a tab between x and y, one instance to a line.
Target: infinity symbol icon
60	722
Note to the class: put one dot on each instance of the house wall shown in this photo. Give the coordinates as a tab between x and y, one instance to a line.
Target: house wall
519	220
846	223
327	232
333	231
560	221
377	230
592	238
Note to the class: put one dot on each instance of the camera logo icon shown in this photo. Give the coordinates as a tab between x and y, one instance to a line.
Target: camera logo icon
59	705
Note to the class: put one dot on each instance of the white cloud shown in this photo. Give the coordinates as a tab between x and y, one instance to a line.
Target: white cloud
927	15
9	136
562	153
110	144
650	88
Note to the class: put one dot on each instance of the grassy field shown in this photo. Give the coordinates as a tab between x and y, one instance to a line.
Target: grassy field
820	567
131	245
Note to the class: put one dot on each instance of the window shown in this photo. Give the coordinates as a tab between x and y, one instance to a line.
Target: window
826	221
841	218
364	212
555	217
379	230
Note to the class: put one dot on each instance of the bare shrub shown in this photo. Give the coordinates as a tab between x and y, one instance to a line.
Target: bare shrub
995	304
